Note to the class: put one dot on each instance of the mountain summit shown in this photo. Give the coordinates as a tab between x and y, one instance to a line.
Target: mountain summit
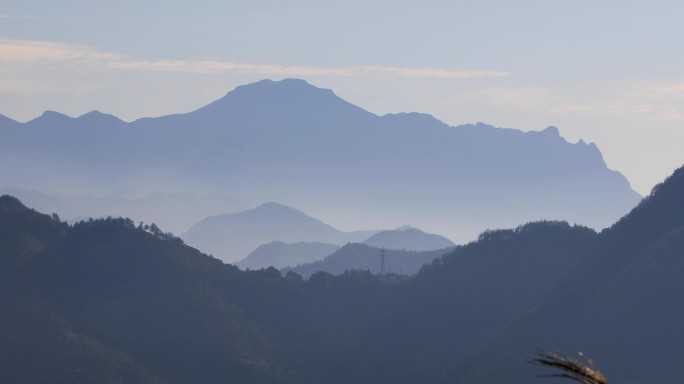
282	98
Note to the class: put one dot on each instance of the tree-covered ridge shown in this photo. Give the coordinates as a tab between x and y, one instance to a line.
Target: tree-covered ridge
137	293
114	301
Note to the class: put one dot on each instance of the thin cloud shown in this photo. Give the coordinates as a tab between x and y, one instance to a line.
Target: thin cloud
645	112
6	16
221	66
436	73
660	90
38	52
670	115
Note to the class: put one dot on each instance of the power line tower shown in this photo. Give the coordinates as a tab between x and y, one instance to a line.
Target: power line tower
382	261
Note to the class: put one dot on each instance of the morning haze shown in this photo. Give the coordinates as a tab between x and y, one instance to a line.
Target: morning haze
243	192
300	145
607	73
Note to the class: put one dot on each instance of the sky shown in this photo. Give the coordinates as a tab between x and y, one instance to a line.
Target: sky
608	72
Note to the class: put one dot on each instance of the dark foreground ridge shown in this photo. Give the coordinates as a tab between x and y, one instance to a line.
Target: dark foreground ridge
111	301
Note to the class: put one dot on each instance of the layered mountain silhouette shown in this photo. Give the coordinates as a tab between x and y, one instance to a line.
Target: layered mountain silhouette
108	300
232	237
306	258
175	212
292	142
278	254
363	257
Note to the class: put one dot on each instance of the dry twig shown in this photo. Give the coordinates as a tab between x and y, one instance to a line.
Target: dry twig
582	370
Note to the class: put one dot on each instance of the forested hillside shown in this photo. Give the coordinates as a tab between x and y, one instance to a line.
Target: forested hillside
113	301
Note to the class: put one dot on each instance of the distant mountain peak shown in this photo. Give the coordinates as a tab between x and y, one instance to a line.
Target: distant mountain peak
275	210
408	238
96	117
96	113
551	130
293	87
52	115
273	206
274	99
288	82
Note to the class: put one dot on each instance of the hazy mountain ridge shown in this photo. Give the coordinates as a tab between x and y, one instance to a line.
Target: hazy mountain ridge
175	212
278	254
7	122
232	237
411	239
289	141
160	307
364	257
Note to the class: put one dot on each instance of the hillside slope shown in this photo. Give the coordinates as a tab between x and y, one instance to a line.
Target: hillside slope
109	301
621	308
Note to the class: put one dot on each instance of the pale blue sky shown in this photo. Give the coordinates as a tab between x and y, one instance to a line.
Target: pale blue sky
608	72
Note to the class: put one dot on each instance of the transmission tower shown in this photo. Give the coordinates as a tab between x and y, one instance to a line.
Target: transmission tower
382	261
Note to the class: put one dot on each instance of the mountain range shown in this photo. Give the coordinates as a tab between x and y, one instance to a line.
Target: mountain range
232	237
276	235
278	254
110	301
404	252
406	249
303	146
